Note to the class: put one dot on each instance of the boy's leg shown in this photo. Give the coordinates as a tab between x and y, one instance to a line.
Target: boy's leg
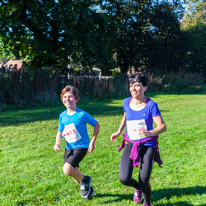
69	170
72	158
76	180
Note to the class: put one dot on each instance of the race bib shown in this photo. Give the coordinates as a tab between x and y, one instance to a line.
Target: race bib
71	134
134	127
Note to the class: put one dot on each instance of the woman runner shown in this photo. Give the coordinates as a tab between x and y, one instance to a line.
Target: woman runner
140	139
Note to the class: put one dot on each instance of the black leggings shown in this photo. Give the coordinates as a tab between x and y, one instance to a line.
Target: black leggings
126	169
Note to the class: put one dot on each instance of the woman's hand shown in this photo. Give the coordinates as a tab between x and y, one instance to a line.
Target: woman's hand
114	136
144	133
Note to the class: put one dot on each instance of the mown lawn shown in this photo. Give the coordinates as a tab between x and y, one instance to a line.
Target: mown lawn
31	171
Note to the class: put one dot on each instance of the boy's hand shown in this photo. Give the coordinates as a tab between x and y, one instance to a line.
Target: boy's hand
57	147
91	147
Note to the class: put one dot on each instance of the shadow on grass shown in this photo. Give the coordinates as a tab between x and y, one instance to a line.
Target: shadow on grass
118	197
178	192
163	194
44	113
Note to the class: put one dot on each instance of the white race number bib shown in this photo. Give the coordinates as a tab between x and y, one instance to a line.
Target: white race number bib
71	134
134	127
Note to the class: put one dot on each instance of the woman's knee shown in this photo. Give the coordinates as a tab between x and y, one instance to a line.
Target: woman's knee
124	180
68	169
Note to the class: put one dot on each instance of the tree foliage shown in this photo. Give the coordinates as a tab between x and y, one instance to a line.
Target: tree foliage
145	33
194	29
104	33
49	31
195	13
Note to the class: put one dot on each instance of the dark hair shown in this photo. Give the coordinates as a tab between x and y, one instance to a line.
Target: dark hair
69	88
138	77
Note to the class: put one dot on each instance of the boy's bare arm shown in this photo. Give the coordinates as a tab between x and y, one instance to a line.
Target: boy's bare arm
95	134
58	141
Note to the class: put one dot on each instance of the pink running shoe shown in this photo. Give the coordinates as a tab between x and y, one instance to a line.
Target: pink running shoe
137	196
144	204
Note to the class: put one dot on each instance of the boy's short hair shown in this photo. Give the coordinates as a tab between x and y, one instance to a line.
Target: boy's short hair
70	88
138	77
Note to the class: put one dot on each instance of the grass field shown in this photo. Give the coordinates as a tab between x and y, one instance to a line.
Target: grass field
31	171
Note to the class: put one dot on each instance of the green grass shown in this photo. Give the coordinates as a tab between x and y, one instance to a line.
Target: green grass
31	171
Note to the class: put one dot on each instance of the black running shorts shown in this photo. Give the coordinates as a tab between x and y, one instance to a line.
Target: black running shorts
74	157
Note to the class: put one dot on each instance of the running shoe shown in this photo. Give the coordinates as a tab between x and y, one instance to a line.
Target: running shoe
144	204
90	195
137	196
85	186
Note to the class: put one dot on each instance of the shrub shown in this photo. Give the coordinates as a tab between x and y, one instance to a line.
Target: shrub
180	81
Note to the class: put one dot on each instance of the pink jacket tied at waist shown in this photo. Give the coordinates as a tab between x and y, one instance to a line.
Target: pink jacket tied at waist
134	155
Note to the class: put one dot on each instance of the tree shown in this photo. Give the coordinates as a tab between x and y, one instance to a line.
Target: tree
194	29
166	44
195	13
104	33
51	32
145	32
